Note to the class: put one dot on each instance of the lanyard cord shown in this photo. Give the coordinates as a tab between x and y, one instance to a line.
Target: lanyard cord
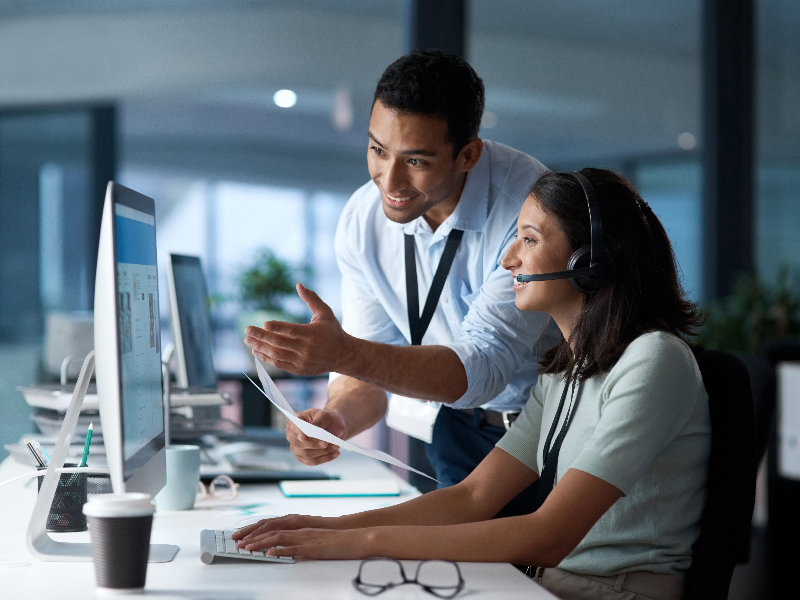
417	324
550	455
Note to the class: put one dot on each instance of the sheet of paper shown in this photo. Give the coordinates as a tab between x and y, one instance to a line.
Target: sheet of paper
274	395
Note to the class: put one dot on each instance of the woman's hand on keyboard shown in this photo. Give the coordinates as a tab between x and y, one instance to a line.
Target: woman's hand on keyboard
346	544
264	526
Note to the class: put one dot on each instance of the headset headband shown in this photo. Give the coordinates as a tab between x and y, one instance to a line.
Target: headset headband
595	222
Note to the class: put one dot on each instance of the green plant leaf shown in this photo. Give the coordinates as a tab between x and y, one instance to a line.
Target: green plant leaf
754	313
266	282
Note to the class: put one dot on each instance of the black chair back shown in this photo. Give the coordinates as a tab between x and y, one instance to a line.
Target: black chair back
725	524
763	383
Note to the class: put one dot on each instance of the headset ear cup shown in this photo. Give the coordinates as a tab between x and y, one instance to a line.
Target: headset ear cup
581	259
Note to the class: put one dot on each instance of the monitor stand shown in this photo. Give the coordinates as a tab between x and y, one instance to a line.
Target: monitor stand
40	544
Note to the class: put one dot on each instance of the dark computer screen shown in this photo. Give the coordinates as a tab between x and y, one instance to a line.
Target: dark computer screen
191	299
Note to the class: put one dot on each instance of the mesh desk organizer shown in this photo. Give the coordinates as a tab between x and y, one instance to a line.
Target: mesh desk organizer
74	489
40	544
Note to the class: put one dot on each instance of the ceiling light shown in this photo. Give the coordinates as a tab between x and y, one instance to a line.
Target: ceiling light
285	98
489	120
687	141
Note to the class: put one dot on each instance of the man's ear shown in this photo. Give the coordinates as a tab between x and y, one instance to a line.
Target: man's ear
469	155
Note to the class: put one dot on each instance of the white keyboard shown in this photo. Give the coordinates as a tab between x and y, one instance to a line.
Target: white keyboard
219	544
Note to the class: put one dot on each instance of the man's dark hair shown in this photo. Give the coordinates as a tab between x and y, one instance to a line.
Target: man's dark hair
432	83
642	292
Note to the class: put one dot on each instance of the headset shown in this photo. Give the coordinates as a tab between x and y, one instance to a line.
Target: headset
586	279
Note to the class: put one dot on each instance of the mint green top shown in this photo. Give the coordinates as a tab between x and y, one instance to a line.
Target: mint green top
644	428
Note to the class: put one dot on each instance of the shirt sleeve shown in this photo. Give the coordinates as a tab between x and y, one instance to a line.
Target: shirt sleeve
522	439
647	400
363	316
496	338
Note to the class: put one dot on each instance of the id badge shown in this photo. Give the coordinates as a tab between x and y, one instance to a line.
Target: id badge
412	417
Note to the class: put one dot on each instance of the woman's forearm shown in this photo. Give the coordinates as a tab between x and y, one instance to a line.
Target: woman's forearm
495	481
517	540
543	538
448	506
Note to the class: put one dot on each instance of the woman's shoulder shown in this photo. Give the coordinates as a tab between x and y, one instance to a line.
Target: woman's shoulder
658	343
658	350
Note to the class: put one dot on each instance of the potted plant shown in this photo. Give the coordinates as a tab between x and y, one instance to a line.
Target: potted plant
262	288
756	312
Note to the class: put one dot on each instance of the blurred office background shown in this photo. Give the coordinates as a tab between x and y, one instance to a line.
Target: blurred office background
245	120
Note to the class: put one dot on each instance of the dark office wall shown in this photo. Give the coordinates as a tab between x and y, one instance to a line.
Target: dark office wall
20	309
28	142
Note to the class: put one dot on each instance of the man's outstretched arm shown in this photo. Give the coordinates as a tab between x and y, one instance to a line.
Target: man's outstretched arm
321	346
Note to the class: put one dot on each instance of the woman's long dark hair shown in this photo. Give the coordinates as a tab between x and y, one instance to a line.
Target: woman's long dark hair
642	292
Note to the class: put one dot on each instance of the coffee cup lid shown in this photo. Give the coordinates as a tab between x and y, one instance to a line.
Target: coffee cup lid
130	504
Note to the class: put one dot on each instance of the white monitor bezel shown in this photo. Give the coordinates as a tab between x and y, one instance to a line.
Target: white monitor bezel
147	473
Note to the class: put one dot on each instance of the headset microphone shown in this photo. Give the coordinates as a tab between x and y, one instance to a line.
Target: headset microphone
589	266
572	274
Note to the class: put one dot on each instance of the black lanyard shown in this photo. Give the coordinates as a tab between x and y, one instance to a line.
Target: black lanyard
417	324
550	455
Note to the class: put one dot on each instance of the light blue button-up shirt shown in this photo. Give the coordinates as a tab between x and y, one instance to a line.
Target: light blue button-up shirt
476	316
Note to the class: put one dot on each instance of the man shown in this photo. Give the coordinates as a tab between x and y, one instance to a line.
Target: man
431	175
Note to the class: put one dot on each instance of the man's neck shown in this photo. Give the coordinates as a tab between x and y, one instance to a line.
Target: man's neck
439	213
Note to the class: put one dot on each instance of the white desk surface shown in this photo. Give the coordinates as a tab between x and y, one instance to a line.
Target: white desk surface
187	578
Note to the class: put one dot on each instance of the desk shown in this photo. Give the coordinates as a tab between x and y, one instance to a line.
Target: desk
187	578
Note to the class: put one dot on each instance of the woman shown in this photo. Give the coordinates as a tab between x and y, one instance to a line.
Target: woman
629	466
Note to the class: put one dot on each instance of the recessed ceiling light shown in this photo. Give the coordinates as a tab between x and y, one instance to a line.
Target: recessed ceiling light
687	141
489	120
285	98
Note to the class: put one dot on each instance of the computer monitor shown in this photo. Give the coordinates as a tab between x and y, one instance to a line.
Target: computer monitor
127	339
190	322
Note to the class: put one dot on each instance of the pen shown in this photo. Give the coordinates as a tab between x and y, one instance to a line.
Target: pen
86	445
43	451
36	456
40	453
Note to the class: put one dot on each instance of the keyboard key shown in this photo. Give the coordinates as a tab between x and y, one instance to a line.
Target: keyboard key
221	543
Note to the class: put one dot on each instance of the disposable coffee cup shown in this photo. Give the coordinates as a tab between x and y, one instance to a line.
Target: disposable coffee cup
119	530
183	473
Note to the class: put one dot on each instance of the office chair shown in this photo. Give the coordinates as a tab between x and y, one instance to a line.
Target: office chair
725	524
763	383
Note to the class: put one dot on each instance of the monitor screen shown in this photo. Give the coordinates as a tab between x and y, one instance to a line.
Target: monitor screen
191	326
139	336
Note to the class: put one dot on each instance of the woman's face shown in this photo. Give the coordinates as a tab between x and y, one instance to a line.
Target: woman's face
541	247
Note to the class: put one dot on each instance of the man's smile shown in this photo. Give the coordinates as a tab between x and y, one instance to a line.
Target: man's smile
397	201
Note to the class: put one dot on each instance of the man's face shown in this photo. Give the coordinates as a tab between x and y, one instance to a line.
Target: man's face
411	162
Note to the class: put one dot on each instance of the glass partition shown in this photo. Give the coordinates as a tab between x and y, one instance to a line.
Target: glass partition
45	199
777	204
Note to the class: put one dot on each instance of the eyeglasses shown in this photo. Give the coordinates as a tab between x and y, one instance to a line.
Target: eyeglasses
221	487
441	578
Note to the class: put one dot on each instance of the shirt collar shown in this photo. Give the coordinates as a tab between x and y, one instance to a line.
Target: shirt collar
472	209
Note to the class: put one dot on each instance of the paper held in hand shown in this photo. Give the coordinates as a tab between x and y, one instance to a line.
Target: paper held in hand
274	395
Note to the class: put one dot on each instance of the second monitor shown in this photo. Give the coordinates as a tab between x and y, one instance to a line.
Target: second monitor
190	323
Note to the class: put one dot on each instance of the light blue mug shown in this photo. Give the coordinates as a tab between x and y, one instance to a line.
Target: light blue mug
183	473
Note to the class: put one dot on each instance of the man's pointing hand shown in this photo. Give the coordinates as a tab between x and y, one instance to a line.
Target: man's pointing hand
317	347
